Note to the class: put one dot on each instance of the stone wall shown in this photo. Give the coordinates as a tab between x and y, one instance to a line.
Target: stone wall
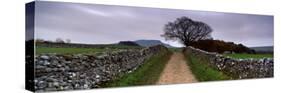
55	72
235	68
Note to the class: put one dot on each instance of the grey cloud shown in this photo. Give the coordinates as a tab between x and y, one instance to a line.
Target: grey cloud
94	24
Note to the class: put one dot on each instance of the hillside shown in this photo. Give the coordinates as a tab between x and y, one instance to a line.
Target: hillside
221	46
128	43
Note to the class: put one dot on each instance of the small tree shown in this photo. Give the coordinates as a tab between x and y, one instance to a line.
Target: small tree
59	40
68	41
39	40
186	30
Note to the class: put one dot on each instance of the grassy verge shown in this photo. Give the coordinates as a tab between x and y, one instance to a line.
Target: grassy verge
147	74
202	71
244	56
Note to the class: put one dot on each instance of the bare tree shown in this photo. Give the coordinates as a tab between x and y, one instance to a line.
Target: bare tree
39	40
68	41
186	30
59	40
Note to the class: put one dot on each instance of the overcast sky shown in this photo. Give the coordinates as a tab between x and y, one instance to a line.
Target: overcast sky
103	24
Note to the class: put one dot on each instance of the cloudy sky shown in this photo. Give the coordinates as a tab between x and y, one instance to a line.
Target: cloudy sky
103	24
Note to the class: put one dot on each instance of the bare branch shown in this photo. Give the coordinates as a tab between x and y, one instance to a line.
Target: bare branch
186	30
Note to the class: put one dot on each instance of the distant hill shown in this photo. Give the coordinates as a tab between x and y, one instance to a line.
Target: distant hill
128	43
263	49
148	43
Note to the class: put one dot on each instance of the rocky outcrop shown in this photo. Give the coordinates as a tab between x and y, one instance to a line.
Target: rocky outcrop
236	68
55	72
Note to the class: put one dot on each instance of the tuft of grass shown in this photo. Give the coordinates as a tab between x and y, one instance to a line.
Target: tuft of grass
147	74
202	71
245	56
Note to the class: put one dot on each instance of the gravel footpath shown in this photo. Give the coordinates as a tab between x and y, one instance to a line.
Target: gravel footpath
176	71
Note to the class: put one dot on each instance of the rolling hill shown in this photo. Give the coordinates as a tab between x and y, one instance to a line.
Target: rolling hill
148	43
263	49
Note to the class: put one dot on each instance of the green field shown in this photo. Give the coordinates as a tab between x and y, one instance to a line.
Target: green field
175	49
245	56
147	74
63	49
202	71
40	50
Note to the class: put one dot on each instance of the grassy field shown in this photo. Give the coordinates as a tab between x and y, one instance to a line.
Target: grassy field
175	49
40	50
244	56
147	74
202	71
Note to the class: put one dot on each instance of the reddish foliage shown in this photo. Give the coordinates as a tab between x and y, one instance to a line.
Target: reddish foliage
221	46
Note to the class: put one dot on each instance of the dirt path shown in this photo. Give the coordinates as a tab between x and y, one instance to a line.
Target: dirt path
176	71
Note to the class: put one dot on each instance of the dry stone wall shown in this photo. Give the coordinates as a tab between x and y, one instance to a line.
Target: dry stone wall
236	68
55	72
